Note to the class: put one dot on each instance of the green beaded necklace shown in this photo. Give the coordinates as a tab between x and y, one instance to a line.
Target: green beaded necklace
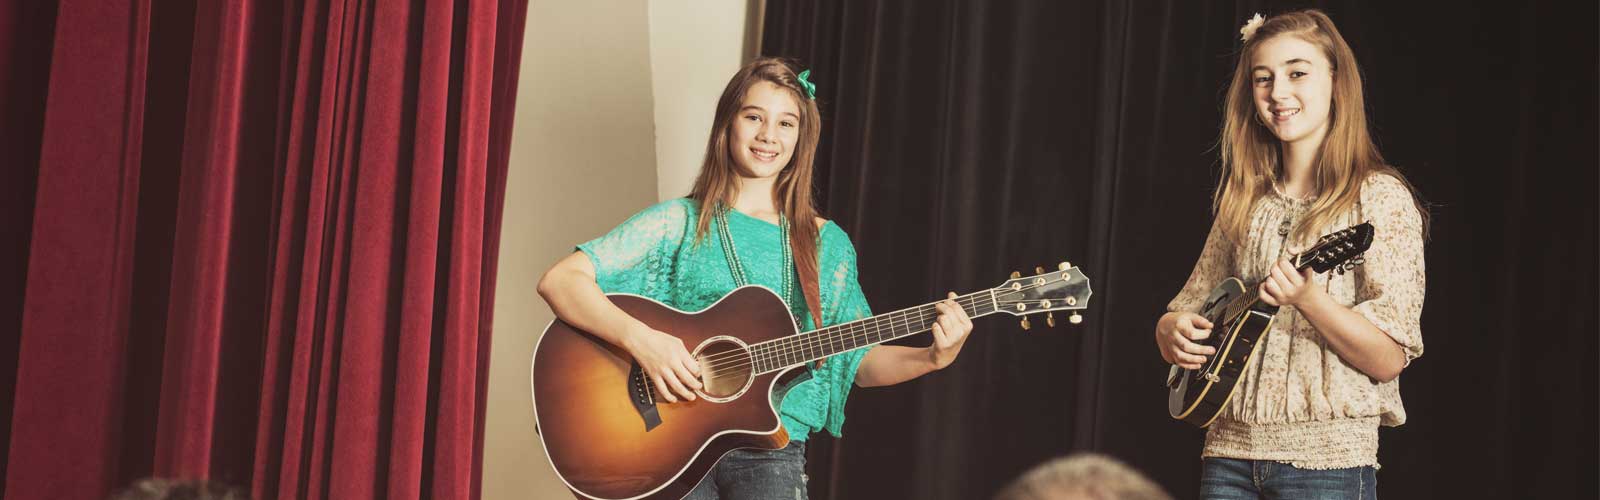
736	266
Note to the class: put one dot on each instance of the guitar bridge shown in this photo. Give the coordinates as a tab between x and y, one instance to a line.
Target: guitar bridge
642	398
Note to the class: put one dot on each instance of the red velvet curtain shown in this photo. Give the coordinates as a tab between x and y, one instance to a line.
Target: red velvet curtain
251	241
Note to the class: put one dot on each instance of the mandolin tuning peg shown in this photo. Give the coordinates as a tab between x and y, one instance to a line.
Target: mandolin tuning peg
1064	265
1038	269
1075	318
1050	319
1025	324
1015	275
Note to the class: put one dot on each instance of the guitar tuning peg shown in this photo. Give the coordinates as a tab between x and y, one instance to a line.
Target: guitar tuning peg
1075	318
1015	275
1050	319
1064	265
1038	269
1025	324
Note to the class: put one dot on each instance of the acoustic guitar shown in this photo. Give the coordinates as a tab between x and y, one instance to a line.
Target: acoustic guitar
609	436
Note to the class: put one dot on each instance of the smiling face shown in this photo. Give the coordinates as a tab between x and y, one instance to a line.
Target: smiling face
764	131
1292	87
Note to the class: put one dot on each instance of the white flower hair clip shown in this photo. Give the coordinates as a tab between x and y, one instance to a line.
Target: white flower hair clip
1250	27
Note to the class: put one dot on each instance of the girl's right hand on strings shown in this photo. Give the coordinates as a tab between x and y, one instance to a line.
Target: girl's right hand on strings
664	358
1175	335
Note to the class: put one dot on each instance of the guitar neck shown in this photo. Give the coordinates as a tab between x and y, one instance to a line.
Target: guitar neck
1300	264
780	354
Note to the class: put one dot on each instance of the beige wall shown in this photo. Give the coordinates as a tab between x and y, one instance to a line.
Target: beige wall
582	159
590	147
695	46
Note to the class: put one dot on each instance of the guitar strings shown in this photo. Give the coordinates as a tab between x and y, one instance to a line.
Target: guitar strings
972	296
769	347
813	341
809	343
738	370
736	359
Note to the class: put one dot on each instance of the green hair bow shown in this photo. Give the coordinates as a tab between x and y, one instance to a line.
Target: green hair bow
811	88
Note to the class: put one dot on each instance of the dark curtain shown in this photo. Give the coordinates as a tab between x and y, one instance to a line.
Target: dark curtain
252	242
967	139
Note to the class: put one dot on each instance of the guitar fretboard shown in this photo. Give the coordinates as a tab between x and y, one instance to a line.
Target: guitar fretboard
804	348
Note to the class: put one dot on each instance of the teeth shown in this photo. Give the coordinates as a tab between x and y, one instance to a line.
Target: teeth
1286	112
764	155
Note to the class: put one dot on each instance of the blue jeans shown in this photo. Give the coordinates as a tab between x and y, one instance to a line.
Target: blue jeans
1233	479
753	474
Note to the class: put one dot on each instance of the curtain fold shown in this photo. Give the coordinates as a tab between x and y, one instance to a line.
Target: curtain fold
68	399
260	245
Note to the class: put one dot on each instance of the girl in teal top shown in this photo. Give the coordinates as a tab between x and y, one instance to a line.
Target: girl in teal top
654	254
749	220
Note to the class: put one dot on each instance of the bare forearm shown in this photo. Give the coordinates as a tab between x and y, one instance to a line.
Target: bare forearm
574	294
892	364
575	298
1355	339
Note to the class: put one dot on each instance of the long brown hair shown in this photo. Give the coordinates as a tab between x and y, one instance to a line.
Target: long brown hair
719	173
1250	152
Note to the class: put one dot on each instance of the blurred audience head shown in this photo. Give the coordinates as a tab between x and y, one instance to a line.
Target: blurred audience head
179	489
1083	476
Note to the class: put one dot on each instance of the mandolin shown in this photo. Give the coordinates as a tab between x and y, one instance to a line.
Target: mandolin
1238	314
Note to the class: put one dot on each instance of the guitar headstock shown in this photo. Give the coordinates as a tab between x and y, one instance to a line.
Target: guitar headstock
1339	250
1065	289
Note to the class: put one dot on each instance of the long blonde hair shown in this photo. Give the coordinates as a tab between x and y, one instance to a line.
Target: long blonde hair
717	183
1250	152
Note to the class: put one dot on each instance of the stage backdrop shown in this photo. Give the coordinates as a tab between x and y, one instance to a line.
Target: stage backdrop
967	139
252	241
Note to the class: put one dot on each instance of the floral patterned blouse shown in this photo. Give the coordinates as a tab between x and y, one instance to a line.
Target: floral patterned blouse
1298	402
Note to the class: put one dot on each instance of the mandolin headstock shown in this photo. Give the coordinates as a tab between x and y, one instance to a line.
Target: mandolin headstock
1339	250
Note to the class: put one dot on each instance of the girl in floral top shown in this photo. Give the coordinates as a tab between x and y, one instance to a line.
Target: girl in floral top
748	216
1299	163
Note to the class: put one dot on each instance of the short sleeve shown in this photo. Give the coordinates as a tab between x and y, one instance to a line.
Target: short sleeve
1216	259
637	256
849	303
1390	283
844	290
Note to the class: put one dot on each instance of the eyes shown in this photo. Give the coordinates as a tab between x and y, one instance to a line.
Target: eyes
1262	79
785	123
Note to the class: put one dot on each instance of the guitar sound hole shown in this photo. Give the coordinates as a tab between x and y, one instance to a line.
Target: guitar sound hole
725	368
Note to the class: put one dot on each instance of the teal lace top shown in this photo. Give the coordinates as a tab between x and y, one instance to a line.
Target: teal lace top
654	254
